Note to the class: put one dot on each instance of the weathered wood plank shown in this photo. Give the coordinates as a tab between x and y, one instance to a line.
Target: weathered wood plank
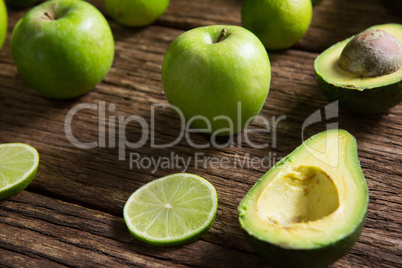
22	260
70	235
96	179
332	21
89	174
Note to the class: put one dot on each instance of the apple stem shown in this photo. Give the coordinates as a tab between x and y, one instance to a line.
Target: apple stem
222	36
49	16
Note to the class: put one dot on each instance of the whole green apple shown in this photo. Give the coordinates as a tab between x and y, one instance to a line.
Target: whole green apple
21	3
63	48
218	76
136	13
279	24
3	23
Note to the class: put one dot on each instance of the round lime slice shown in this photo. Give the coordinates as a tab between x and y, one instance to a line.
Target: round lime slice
18	166
172	210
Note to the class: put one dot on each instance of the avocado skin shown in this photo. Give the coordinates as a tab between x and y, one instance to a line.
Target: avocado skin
319	255
280	257
368	101
315	1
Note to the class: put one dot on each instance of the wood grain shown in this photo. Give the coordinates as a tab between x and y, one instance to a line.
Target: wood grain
52	232
71	215
332	22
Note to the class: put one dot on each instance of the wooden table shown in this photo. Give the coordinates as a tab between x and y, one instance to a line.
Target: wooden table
71	214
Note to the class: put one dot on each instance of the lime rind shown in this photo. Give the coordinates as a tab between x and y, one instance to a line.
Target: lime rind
182	225
18	169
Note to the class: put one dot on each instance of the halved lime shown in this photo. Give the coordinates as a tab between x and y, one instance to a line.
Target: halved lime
18	166
172	210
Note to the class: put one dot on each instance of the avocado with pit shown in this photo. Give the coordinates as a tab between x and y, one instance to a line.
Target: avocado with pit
364	72
310	208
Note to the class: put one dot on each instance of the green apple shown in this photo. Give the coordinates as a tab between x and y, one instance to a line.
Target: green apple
136	13
279	24
21	3
3	23
63	48
218	77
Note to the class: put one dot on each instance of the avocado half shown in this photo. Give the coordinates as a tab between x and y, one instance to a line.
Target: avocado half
310	208
357	94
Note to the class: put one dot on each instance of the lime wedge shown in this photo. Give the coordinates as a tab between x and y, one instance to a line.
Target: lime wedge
18	166
172	210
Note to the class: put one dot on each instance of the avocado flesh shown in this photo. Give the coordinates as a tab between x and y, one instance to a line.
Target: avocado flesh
298	190
309	209
355	93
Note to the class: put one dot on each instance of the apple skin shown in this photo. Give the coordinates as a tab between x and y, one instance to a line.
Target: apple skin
20	4
3	23
279	24
136	13
203	77
66	56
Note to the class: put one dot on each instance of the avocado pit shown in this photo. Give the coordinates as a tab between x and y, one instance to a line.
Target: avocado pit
372	53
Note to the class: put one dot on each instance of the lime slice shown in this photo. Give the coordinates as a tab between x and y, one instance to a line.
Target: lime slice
18	166
172	210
